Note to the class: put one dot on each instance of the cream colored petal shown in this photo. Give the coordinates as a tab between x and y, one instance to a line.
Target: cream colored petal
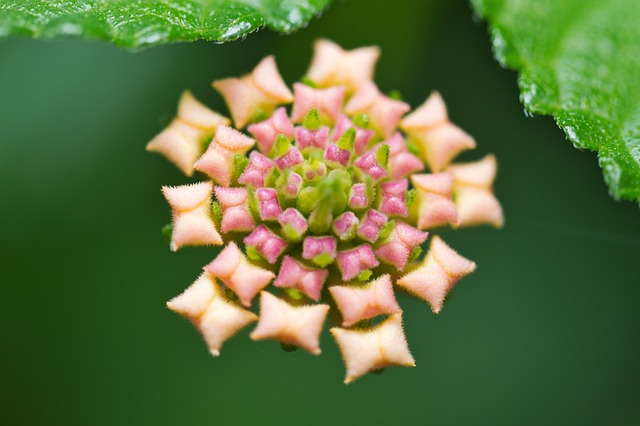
180	144
431	113
194	228
188	197
441	144
194	113
196	298
479	173
379	347
268	80
295	325
441	269
221	321
357	303
478	206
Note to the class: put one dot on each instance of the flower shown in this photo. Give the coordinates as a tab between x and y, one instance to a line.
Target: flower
321	207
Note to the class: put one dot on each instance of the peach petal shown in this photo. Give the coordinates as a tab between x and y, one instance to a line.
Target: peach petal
372	349
257	170
215	317
180	144
393	198
240	275
262	89
399	245
430	114
195	114
328	102
294	325
217	161
440	270
371	224
188	197
434	200
442	144
333	66
384	112
357	303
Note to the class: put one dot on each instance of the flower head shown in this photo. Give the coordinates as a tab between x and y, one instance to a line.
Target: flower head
322	206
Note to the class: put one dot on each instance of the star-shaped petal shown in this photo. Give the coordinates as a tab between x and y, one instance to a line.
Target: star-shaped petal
385	113
218	319
234	203
440	140
353	261
434	203
475	201
399	245
440	270
217	161
181	141
366	350
292	325
328	102
263	89
333	66
192	223
236	272
357	303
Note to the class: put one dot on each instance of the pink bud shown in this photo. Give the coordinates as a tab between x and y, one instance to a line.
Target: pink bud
383	111
345	226
328	102
336	157
363	136
369	164
291	158
217	161
268	244
393	198
371	225
237	273
294	274
357	303
294	225
399	245
352	262
235	212
266	131
293	186
358	196
268	204
312	138
315	247
256	171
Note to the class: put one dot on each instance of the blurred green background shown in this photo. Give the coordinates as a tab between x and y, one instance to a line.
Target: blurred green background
545	332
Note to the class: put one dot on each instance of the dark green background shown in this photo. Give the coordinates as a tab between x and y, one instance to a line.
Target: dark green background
545	332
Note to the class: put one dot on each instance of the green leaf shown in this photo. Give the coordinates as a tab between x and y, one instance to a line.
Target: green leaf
139	23
579	61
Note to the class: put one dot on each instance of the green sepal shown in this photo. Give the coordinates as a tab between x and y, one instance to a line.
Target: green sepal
321	217
415	253
347	139
386	230
312	120
395	95
283	144
362	120
364	275
167	232
382	155
410	197
252	253
294	294
323	260
308	82
216	211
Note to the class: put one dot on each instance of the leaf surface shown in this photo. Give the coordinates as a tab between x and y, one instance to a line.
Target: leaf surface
579	61
140	23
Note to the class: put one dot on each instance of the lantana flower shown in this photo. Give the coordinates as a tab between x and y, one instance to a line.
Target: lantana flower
321	198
